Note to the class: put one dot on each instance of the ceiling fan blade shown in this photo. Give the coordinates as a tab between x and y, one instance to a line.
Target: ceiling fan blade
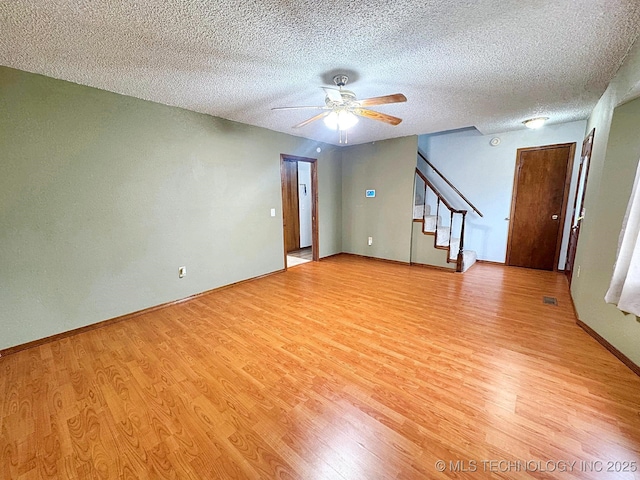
383	117
395	98
300	108
333	94
312	119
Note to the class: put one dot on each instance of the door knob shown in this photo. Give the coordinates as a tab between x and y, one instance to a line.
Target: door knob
554	217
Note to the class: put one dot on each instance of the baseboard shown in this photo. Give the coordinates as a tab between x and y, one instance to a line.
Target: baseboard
490	262
621	356
573	305
397	262
434	267
128	316
601	340
330	256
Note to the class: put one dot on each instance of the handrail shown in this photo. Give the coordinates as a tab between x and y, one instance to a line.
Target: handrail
438	194
452	211
450	184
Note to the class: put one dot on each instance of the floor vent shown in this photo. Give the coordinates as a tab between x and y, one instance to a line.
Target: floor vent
550	300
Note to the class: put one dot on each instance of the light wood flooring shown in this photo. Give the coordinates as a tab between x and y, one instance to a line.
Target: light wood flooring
347	368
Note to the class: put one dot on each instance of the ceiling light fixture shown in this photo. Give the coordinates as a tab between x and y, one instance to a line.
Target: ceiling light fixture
340	120
535	122
341	110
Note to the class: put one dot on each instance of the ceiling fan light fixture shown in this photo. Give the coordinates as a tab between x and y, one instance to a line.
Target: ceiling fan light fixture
535	122
340	120
341	110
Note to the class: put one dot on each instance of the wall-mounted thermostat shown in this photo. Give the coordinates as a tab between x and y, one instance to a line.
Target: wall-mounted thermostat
370	193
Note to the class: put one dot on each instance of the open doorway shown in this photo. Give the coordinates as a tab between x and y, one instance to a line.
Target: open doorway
299	209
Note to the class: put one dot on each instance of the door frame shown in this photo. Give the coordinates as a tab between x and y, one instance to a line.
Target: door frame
565	196
577	217
291	202
315	247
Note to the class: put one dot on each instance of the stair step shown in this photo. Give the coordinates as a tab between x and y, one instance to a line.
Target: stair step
442	237
469	257
454	247
420	211
430	223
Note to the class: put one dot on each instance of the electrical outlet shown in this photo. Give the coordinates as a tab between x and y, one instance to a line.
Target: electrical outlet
182	272
370	241
578	271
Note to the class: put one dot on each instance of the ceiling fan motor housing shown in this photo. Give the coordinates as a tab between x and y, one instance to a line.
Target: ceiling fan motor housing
340	80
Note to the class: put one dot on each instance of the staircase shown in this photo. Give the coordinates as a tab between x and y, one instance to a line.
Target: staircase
448	237
432	225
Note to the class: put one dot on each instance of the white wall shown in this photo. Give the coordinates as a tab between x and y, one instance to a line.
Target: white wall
485	175
304	203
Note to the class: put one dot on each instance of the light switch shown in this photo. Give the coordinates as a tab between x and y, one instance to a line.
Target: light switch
273	212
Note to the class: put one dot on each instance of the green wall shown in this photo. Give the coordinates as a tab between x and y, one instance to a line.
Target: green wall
103	197
423	251
330	200
388	167
616	151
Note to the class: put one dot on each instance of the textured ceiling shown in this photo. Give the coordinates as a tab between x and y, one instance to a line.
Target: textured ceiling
484	63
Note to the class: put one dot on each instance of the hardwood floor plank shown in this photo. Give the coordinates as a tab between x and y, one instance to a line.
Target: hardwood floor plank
342	369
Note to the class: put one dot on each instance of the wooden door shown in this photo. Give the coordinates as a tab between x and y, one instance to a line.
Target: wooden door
290	206
578	204
538	206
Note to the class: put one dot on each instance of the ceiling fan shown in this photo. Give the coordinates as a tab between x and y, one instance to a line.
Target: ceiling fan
341	109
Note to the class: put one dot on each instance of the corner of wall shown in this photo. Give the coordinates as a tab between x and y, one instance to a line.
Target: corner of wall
387	167
609	184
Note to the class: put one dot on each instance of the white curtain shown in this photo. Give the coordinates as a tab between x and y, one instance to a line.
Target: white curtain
624	290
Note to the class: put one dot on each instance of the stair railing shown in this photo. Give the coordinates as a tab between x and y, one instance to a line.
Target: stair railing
452	212
450	184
